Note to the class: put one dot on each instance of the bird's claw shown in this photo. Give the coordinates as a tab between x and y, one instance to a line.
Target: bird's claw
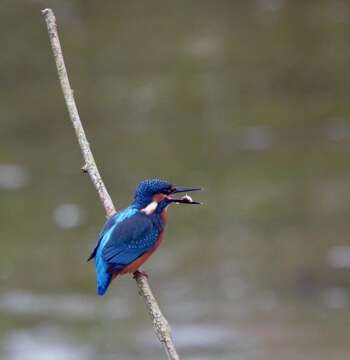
139	273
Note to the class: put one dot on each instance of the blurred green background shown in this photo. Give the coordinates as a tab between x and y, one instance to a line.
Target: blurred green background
249	99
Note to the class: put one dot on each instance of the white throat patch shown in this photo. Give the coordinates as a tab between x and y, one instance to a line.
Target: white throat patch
150	208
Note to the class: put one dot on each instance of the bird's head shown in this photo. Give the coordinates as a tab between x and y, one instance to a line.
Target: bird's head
155	194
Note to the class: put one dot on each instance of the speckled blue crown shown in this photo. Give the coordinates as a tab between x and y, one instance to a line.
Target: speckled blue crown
148	188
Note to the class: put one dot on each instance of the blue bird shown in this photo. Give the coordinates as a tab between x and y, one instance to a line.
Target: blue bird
131	236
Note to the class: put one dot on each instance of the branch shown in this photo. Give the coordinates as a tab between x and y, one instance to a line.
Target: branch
160	324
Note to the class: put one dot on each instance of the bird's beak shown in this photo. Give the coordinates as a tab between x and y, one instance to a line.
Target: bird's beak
185	199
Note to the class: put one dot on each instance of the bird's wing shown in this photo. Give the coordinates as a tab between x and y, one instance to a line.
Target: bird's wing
112	221
129	240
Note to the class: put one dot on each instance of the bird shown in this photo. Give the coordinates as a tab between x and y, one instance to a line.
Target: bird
132	235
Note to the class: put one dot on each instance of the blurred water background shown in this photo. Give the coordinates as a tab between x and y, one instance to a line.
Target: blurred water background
249	99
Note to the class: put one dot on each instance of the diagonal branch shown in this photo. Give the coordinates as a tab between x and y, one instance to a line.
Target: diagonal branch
160	324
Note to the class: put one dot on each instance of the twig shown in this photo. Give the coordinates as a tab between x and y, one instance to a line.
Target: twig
160	324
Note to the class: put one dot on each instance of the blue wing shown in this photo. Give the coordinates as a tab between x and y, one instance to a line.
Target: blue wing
128	241
103	277
112	221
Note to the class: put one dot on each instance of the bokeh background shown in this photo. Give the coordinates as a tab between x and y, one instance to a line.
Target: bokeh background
249	99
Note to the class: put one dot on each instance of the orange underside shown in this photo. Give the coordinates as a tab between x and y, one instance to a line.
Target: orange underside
131	268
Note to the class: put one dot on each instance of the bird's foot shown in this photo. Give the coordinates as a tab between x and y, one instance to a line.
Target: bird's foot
139	273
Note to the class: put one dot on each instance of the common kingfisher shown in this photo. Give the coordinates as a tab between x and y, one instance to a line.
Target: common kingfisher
132	235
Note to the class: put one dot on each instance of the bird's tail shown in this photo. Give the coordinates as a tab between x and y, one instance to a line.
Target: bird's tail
103	278
103	283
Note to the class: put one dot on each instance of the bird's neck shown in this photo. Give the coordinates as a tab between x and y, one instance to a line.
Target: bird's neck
140	203
158	216
159	219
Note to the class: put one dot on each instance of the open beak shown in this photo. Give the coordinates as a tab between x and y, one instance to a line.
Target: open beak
185	199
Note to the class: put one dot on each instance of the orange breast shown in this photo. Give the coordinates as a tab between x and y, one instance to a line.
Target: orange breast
164	216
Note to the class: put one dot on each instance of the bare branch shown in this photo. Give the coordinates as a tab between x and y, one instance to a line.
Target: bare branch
90	165
160	324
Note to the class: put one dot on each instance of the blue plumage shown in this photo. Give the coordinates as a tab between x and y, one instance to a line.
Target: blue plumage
130	240
124	238
103	276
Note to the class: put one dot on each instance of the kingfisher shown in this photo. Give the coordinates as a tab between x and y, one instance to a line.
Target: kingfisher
132	235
